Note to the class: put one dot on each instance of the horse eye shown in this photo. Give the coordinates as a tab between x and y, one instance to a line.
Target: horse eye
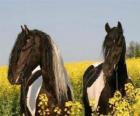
29	39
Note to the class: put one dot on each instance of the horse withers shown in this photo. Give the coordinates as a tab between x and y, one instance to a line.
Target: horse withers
36	64
101	81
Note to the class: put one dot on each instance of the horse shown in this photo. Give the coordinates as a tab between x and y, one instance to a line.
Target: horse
36	64
100	81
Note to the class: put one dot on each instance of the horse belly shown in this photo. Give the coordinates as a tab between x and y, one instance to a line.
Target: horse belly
33	94
94	91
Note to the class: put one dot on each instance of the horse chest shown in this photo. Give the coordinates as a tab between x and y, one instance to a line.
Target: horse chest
94	91
32	95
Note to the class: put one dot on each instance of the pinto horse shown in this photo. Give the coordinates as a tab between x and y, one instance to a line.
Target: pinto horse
101	81
36	64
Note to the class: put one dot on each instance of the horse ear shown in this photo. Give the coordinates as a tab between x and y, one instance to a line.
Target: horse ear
107	28
120	26
22	28
26	30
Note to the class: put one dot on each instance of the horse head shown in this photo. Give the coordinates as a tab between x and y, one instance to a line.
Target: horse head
25	56
113	48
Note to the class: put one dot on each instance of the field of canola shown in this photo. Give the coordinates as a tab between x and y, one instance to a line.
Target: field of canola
9	95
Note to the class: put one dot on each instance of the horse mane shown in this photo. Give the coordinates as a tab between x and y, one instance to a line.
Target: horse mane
122	67
61	75
54	66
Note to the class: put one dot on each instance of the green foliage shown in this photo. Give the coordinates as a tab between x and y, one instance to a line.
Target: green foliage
9	102
133	50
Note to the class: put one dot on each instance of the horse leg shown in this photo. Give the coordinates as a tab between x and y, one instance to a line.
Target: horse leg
104	99
23	103
69	95
86	76
87	108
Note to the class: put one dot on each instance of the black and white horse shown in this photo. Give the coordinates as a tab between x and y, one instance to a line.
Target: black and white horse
35	63
101	81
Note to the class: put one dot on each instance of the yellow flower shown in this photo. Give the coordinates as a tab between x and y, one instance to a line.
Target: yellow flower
92	102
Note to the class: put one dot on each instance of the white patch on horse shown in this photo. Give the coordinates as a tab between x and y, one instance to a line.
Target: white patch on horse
33	93
36	69
94	91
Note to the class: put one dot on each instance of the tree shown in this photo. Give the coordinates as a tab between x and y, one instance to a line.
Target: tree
133	50
137	49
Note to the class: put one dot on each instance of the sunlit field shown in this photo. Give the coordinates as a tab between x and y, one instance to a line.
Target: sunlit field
9	95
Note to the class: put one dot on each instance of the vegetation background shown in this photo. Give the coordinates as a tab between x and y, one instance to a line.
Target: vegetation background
9	95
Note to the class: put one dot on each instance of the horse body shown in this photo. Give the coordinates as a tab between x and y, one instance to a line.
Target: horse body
96	88
100	82
94	91
33	49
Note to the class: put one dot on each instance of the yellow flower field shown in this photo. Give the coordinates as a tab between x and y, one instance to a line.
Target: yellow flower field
133	66
9	95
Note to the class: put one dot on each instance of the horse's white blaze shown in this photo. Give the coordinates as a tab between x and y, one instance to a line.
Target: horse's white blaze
17	79
33	93
94	91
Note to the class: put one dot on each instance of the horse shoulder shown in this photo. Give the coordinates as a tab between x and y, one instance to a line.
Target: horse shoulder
91	74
